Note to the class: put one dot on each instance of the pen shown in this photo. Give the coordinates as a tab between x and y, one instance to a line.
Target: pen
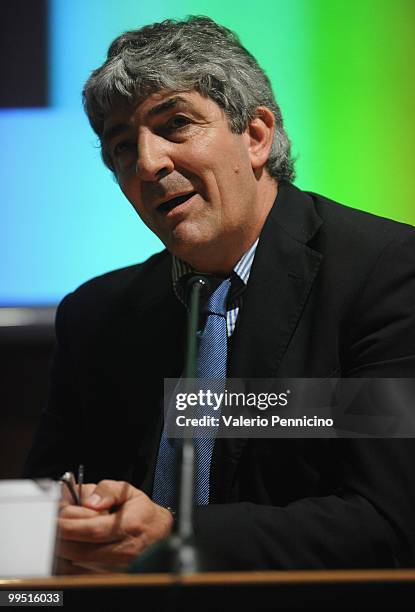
80	482
69	480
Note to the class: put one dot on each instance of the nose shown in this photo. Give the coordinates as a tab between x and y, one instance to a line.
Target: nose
153	157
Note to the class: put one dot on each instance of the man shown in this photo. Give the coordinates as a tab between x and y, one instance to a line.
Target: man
189	126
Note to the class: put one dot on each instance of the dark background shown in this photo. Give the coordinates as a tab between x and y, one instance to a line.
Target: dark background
25	353
23	53
24	349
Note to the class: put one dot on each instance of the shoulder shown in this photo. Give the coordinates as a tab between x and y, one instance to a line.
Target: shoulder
364	252
358	229
117	283
97	302
333	228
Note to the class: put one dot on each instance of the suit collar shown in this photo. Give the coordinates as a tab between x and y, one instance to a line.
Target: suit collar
152	283
294	211
282	275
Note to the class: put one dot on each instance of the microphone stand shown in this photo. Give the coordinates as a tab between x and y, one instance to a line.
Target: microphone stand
179	553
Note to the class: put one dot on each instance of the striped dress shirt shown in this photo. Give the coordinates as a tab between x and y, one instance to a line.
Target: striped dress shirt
239	279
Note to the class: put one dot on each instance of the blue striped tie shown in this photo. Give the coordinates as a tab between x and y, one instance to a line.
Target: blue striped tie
211	363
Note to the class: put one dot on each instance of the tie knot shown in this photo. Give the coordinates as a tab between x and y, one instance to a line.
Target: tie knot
216	303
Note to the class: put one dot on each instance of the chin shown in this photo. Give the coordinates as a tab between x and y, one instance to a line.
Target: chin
188	243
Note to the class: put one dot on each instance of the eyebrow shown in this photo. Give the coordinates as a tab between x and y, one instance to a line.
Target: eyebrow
166	105
114	130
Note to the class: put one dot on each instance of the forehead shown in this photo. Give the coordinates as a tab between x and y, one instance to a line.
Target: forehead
159	103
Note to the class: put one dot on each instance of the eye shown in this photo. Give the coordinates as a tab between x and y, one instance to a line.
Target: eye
177	122
123	147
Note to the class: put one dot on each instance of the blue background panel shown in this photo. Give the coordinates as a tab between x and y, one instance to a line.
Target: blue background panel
341	73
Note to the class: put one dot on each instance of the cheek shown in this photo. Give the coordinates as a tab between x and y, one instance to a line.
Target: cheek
131	192
125	186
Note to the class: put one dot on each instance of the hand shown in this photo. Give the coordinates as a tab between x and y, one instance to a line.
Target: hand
67	499
64	566
115	524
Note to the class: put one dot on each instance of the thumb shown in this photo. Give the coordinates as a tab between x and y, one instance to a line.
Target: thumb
109	493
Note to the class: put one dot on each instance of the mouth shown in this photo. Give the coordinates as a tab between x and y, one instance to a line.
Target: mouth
168	205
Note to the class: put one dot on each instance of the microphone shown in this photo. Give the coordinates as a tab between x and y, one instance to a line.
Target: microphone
201	279
197	286
180	553
188	557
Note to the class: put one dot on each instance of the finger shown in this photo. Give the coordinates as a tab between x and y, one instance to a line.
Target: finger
92	568
64	567
79	512
117	554
87	489
100	528
109	493
67	499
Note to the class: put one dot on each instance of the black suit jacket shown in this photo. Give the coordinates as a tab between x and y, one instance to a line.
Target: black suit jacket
331	293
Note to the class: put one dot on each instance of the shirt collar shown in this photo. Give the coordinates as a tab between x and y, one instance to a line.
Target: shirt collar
240	274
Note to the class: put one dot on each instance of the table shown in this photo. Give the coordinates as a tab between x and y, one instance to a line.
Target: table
220	591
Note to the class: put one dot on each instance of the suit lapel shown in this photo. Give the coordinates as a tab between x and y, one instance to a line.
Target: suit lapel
281	279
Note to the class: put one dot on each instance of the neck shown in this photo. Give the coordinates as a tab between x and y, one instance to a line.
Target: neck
220	260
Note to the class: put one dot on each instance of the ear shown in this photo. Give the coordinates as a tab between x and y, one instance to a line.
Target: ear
261	132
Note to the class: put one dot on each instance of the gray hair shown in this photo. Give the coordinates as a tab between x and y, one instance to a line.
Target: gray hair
194	54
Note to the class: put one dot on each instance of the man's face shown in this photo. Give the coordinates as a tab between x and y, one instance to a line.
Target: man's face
187	175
